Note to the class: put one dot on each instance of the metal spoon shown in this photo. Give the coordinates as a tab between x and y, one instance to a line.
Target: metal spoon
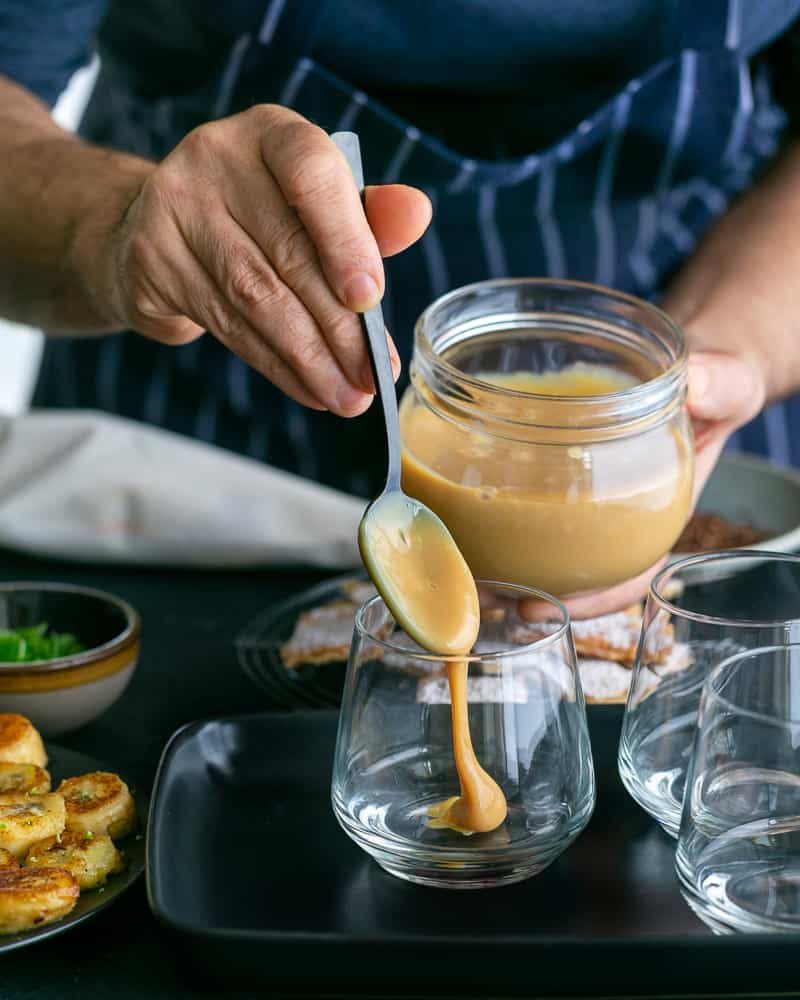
407	550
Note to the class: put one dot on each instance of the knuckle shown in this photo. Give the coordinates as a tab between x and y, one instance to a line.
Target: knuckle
220	320
313	174
357	254
341	327
168	187
203	141
270	115
292	253
248	284
305	352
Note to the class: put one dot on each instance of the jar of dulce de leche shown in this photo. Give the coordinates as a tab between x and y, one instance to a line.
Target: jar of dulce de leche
546	425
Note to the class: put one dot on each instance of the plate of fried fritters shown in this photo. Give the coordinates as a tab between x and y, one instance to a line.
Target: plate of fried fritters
71	835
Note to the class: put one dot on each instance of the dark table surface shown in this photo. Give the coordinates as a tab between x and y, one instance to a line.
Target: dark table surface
188	670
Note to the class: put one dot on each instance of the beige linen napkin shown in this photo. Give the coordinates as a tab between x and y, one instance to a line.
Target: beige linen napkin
90	486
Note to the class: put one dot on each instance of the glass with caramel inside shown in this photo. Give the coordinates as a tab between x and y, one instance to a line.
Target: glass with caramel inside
470	770
546	426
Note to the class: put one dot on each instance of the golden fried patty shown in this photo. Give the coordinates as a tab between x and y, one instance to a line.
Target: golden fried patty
20	742
24	819
100	802
23	778
91	857
30	897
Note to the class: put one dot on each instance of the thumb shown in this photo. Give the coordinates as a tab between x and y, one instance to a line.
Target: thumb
398	215
724	388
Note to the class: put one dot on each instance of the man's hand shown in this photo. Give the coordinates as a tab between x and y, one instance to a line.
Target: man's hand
725	391
253	228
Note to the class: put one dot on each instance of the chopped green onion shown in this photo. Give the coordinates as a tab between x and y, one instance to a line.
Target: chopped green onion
21	645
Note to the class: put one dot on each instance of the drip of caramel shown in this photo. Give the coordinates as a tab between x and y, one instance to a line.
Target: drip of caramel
481	806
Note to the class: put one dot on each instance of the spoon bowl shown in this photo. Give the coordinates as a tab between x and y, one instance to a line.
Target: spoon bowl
420	573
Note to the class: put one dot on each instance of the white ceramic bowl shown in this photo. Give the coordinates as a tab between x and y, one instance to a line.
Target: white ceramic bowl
63	693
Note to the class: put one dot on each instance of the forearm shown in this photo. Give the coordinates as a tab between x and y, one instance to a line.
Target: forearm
61	203
740	291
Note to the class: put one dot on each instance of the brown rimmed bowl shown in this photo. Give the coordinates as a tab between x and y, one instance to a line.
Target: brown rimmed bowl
61	694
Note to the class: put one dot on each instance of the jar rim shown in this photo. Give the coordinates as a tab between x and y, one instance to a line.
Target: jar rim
660	386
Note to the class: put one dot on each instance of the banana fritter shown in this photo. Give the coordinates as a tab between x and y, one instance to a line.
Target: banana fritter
20	741
24	819
23	778
30	897
91	857
99	802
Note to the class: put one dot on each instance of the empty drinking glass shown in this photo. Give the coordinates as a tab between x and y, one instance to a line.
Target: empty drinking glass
699	612
394	760
738	856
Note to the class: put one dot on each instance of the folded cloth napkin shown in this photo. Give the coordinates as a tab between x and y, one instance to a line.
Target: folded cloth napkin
94	487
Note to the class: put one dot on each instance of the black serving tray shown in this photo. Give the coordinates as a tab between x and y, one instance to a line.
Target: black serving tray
246	862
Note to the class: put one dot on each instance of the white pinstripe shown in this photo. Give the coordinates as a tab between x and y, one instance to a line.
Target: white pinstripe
460	181
680	235
155	400
741	118
108	372
270	21
776	425
295	82
649	208
733	26
490	234
525	168
715	200
229	76
401	155
551	237
601	203
435	260
351	112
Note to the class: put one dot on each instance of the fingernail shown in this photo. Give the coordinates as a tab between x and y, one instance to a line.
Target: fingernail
361	293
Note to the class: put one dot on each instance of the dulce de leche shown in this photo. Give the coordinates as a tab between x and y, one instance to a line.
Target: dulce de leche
419	570
565	512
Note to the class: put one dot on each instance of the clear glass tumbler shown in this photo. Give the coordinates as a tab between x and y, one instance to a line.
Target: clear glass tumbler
700	611
394	757
738	857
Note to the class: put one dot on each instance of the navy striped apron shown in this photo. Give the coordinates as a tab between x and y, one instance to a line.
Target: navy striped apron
621	200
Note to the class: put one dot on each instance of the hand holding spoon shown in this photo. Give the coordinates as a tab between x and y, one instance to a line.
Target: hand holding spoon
407	550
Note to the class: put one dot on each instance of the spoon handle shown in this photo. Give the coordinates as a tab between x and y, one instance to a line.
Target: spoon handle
375	333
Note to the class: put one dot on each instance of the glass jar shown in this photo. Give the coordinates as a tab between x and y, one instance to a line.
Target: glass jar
567	492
